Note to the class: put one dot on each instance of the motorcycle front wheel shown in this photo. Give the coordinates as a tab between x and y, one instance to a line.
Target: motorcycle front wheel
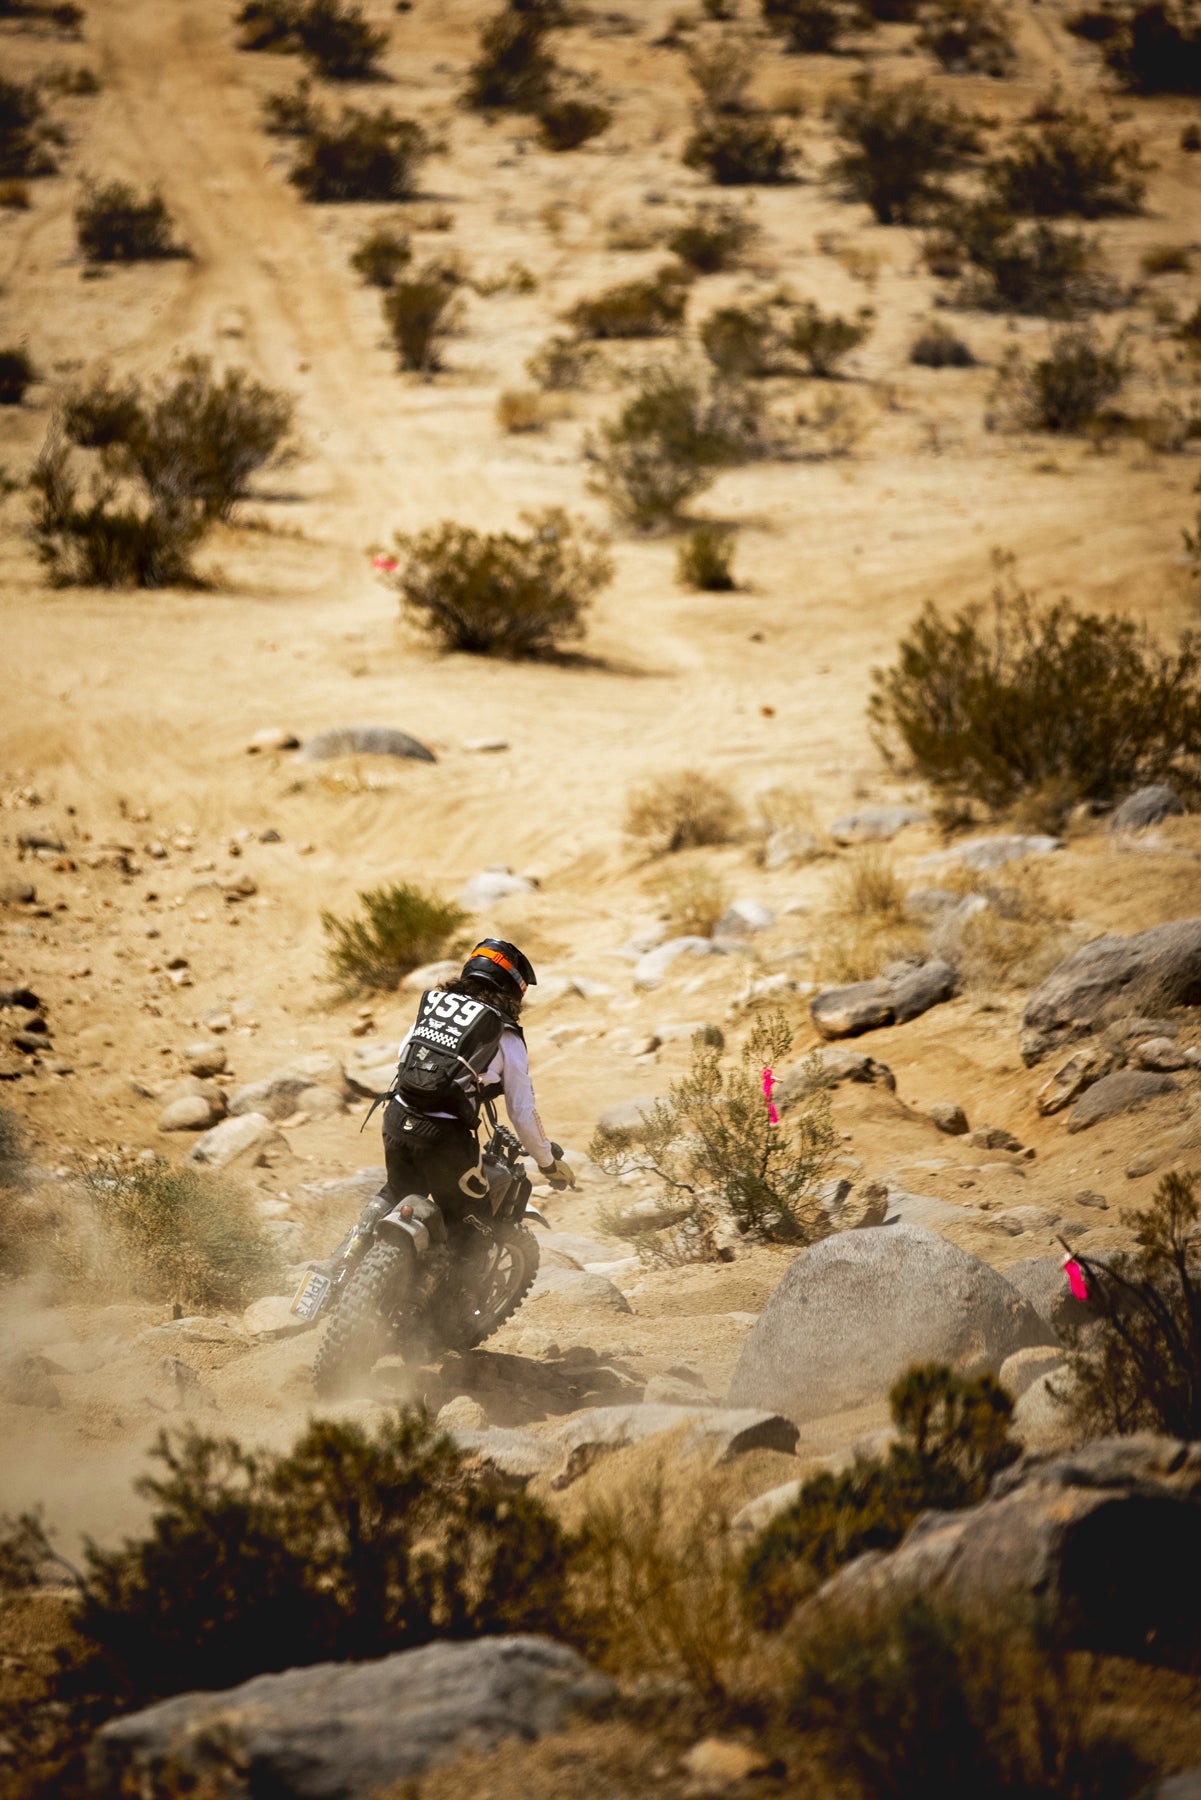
360	1330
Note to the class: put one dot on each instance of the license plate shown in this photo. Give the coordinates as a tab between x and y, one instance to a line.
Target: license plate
310	1295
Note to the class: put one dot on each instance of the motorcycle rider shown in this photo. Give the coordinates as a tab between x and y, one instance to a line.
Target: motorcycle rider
471	1022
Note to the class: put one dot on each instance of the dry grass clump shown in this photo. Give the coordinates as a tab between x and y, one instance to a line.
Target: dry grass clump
705	559
522	409
359	156
1015	940
1066	390
684	810
17	373
968	37
112	224
1070	164
739	152
565	124
333	37
1011	266
397	928
420	313
21	1228
866	885
671	439
937	347
723	68
381	256
561	363
1167	259
692	896
714	238
646	308
809	27
866	928
515	68
28	135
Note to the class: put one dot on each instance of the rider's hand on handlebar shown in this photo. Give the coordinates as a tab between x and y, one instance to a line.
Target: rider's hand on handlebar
559	1174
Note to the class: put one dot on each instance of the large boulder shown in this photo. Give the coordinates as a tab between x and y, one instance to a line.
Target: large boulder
856	1311
278	1095
342	1729
1102	1543
363	740
249	1139
1147	806
1112	976
889	1000
720	1433
1041	1280
1120	1092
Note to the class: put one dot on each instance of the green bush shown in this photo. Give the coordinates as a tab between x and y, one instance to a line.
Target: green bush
26	131
953	1438
989	705
348	1546
381	256
705	560
1139	1368
566	124
514	69
900	141
670	440
652	307
737	152
714	238
503	593
397	928
16	374
937	347
713	1140
1067	389
113	225
184	1234
1156	50
968	37
1070	165
808	27
420	314
360	156
822	341
114	539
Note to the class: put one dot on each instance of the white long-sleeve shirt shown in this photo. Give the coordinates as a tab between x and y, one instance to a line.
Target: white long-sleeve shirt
511	1068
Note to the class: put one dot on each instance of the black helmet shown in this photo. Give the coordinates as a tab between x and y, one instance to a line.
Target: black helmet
501	964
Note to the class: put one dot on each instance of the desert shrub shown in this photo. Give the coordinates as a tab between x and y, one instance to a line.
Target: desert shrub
514	69
1071	164
81	83
743	341
115	538
911	1700
561	362
185	1234
986	706
268	25
953	1437
113	225
738	152
937	347
350	1545
381	256
715	238
652	307
866	883
691	896
397	928
685	810
360	156
723	69
19	1228
1156	50
1021	267
566	124
102	411
1068	388
294	115
26	130
503	593
822	341
38	15
808	27
704	560
420	314
17	373
899	142
1167	259
338	42
669	441
714	1139
1020	935
968	36
1139	1368
1190	139
521	409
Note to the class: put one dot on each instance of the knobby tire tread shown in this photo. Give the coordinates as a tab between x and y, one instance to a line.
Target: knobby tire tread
357	1336
528	1244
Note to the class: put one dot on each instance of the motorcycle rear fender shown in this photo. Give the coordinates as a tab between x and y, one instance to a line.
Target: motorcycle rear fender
424	1226
531	1212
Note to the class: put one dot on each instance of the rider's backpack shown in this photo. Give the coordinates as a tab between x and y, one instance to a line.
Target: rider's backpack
443	1063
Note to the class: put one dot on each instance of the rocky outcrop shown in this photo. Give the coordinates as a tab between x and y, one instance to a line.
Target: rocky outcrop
826	1069
889	1000
1120	1092
1147	806
283	1092
363	740
1153	970
342	1729
855	1311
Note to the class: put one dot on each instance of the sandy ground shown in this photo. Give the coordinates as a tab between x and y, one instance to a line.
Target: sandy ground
126	716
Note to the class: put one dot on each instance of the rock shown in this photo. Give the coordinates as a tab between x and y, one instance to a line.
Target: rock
949	1118
319	1102
462	1411
341	1729
578	1248
683	1032
363	740
194	1087
485	746
720	1433
1025	1366
1041	1419
17	893
931	902
672	1390
1069	1081
855	1311
627	1114
789	844
1117	1093
991	852
1186	1786
1041	1281
249	1139
29	1381
744	916
866	1005
851	1208
189	1113
757	1514
927	1213
353	1191
1146	806
205	1059
272	737
1036	1549
1162	1055
566	1287
272	1317
491	886
826	1068
430	975
875	823
277	1096
1087	1197
720	1762
992	1137
1112	975
658	1212
1017	1220
512	1455
653	965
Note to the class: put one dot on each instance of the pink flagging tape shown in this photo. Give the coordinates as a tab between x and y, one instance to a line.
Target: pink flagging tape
768	1084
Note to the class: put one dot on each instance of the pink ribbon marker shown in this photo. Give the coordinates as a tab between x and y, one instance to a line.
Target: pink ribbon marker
386	563
1075	1275
768	1083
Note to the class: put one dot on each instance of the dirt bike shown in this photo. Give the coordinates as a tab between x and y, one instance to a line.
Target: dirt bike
403	1285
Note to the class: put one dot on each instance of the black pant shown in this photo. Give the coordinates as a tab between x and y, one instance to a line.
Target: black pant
434	1163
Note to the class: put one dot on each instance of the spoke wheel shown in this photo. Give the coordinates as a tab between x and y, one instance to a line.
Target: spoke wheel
506	1280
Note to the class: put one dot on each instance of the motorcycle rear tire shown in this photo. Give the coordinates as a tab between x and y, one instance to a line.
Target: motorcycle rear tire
522	1246
359	1332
